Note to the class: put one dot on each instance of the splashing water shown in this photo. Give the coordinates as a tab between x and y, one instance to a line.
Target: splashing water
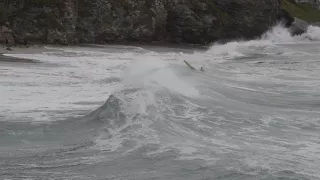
252	114
279	34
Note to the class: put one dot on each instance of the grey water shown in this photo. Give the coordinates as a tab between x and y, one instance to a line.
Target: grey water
124	112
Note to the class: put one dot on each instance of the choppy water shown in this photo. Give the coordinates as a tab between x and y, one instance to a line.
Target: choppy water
122	112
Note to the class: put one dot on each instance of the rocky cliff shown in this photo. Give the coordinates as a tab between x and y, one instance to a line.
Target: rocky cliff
112	21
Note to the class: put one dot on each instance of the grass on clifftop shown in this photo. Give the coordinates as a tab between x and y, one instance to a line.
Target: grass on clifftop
302	11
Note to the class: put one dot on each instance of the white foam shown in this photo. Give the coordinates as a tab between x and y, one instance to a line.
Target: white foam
238	50
77	73
226	50
279	34
51	90
265	45
313	33
150	71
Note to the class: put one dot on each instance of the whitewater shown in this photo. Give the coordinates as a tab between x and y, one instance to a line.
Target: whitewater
97	112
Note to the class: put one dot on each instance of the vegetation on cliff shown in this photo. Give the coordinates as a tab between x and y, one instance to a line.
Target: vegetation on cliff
113	21
4	12
304	11
7	8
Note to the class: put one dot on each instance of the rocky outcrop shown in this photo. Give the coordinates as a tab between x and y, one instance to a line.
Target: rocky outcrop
286	18
110	113
6	36
298	27
108	21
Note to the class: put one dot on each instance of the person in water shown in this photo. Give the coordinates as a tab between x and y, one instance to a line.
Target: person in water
192	68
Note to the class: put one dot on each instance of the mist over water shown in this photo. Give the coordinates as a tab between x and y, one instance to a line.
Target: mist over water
124	112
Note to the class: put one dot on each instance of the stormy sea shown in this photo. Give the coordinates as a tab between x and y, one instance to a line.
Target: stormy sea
115	112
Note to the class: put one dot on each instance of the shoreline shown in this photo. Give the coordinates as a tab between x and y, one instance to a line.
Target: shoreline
22	49
40	48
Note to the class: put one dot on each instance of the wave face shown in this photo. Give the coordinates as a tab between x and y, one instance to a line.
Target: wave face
252	114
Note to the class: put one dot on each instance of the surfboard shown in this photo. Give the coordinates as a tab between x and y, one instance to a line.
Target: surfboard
191	67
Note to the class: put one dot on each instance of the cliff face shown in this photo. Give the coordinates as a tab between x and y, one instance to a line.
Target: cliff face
105	21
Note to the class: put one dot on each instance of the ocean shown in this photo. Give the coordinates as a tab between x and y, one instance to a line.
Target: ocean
115	112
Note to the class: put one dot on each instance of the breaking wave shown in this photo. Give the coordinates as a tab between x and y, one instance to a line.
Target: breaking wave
252	113
156	91
266	45
279	34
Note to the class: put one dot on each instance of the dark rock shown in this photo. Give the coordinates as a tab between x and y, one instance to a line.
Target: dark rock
286	18
110	113
6	36
298	27
105	21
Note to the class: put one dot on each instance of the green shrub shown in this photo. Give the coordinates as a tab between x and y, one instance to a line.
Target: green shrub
302	11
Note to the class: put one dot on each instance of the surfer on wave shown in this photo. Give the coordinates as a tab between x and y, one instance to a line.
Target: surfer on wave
193	68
